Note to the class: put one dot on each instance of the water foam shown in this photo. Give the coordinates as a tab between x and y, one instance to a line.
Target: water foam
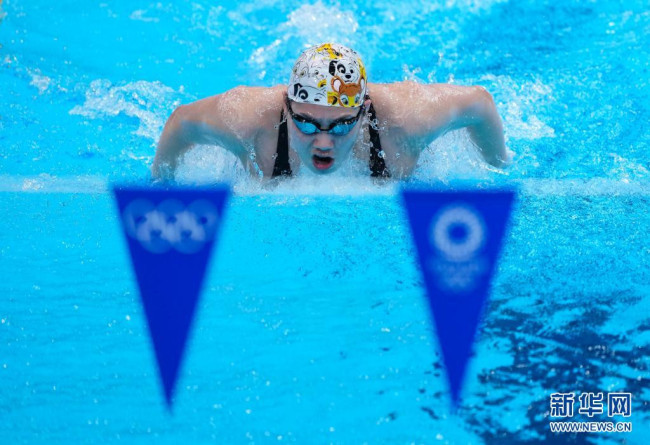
453	157
307	25
42	83
149	102
210	164
212	24
518	103
321	185
46	183
140	15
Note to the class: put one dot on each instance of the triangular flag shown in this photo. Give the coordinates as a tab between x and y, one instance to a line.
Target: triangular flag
170	234
458	238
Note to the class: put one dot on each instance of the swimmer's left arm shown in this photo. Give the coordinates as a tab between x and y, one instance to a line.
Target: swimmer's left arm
440	108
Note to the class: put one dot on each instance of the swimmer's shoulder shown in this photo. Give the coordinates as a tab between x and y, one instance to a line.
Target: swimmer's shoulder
258	101
269	102
410	106
262	107
258	107
390	101
254	105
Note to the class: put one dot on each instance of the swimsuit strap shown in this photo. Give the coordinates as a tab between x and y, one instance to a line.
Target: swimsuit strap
377	165
281	166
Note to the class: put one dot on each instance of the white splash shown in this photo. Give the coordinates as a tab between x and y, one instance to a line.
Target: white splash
453	157
42	83
46	183
140	15
472	6
243	184
319	22
210	164
310	24
212	24
518	103
149	102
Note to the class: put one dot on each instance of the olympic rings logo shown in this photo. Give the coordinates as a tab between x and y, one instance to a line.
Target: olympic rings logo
458	232
171	224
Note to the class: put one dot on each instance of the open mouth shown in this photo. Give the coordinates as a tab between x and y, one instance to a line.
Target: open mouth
322	162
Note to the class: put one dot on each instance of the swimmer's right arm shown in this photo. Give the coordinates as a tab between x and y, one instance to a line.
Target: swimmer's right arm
216	120
173	143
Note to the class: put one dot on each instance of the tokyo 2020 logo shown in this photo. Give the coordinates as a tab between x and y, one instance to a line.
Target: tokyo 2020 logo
457	235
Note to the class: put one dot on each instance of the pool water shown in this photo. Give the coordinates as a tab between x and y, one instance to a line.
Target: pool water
313	326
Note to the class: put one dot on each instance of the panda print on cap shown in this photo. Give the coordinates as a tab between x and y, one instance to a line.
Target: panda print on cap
328	74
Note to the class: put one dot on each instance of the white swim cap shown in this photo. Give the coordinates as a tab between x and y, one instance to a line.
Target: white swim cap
328	74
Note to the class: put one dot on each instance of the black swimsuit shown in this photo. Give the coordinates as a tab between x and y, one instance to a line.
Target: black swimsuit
376	163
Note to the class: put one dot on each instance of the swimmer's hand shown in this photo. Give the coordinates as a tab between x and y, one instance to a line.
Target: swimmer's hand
486	129
510	155
161	173
164	176
172	145
504	162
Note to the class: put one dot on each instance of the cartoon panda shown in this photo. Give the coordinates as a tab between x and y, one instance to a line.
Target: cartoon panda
308	93
348	71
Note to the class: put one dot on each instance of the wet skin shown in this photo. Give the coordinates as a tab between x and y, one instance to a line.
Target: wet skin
410	116
323	152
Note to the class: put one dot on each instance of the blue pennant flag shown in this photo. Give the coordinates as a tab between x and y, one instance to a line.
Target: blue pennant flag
458	238
170	233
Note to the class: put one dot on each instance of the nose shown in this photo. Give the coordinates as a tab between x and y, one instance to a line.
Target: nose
323	142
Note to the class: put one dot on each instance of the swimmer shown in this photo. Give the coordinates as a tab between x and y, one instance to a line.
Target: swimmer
327	112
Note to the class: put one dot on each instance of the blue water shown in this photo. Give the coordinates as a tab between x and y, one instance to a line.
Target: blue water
313	324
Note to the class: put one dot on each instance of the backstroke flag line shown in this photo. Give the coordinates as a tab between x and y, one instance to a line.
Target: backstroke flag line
458	238
170	234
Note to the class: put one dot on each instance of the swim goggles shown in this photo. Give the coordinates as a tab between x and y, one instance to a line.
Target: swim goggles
339	127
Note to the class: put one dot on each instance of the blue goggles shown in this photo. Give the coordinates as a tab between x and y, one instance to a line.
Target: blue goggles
339	127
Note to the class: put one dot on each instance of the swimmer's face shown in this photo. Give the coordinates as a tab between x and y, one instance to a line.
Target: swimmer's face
323	152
